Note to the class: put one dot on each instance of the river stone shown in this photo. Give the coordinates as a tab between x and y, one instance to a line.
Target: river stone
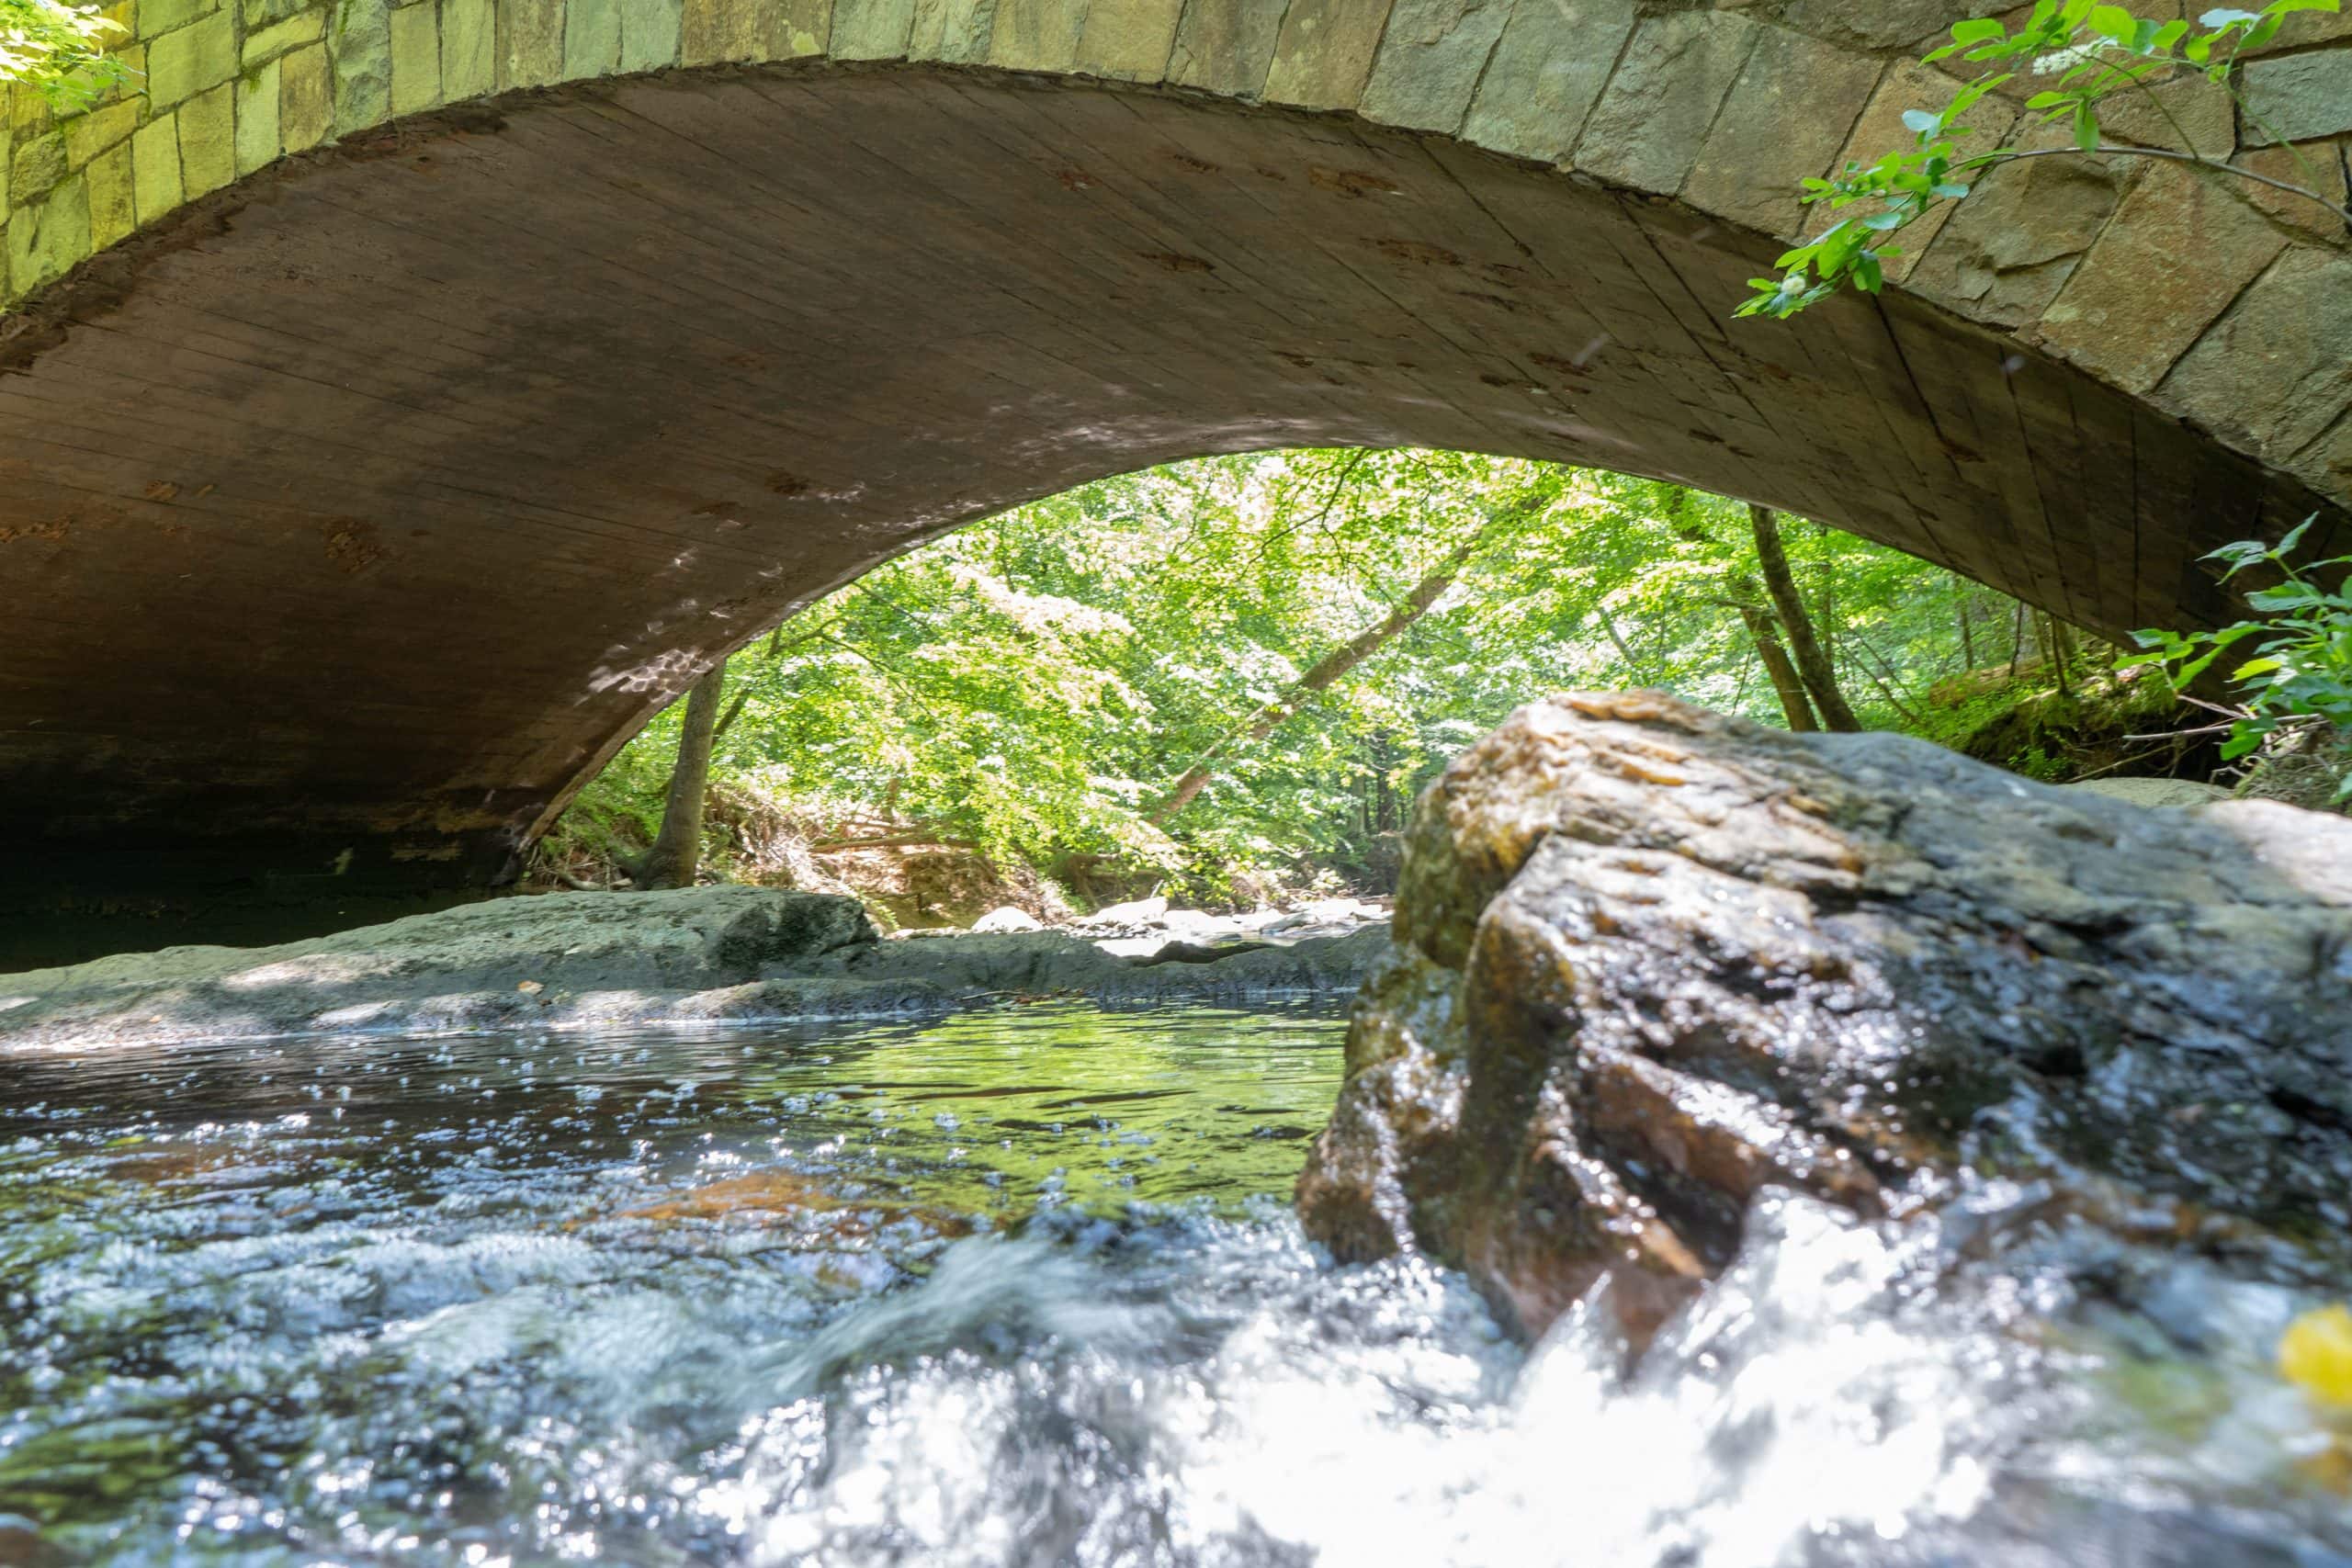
2154	792
1651	961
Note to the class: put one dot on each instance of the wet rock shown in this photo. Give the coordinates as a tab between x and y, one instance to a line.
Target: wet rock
1651	961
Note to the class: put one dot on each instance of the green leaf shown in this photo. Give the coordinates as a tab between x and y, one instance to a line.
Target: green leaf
2085	127
2113	22
1921	122
1978	30
2254	667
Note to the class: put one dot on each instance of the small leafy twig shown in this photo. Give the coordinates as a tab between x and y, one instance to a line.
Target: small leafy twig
2097	52
59	49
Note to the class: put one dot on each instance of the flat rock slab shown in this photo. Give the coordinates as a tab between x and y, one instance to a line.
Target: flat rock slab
584	960
1651	961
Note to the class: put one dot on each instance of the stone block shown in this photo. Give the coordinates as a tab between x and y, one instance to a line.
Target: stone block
1431	61
469	49
954	31
7	145
199	56
87	135
157	18
114	213
1323	56
209	139
650	30
2299	96
416	58
872	29
1885	24
805	28
37	163
2275	371
155	183
592	39
2188	114
1129	41
2145	293
531	48
260	14
2010	246
713	30
359	40
1784	122
283	37
1036	35
44	242
1654	115
1227	46
258	93
1548	70
305	99
2322	162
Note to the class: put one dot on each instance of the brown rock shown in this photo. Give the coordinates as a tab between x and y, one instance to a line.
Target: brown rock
1651	962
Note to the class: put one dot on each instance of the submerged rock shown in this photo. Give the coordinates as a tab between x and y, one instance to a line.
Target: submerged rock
1651	961
694	956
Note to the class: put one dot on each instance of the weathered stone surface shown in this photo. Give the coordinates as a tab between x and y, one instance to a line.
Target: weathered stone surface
45	240
1783	123
1649	127
2155	794
648	34
2141	297
1885	24
2298	97
468	48
1908	85
305	98
1227	46
1324	54
157	18
87	135
258	93
2009	247
114	212
954	31
1651	961
1548	71
592	38
1035	35
269	44
531	51
2188	114
416	59
2316	166
700	955
872	29
361	41
208	139
2276	370
1129	41
155	168
1430	61
202	54
713	30
35	166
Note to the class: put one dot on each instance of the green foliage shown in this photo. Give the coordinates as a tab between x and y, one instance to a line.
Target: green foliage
2093	52
1034	685
60	50
2301	670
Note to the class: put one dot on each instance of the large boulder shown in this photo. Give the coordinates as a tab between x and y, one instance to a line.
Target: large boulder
1650	960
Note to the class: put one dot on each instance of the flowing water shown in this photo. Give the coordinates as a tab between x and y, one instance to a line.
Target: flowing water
1021	1288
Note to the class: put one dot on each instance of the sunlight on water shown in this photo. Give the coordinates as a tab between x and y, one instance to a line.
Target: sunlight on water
1022	1288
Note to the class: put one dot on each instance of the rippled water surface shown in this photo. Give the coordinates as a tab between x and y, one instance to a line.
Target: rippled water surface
1021	1288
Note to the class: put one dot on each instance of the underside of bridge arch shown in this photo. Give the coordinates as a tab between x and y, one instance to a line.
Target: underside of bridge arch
353	517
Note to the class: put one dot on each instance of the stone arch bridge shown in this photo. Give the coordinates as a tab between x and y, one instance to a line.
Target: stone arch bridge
399	403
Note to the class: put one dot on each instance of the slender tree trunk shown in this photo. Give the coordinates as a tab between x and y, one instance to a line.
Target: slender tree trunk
1812	660
1325	674
676	854
1967	635
2017	639
1786	681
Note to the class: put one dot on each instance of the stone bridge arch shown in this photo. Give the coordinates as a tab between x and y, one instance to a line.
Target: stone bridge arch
399	403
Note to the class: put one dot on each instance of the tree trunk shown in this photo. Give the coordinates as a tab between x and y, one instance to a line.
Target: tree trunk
1777	665
676	854
1812	663
1967	636
1325	674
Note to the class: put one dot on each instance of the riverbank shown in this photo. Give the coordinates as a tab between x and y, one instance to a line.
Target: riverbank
698	956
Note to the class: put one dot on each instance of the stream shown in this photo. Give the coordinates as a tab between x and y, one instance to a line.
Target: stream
1022	1288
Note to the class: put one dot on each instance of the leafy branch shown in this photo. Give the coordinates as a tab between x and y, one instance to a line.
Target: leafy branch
2301	671
2097	52
59	50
